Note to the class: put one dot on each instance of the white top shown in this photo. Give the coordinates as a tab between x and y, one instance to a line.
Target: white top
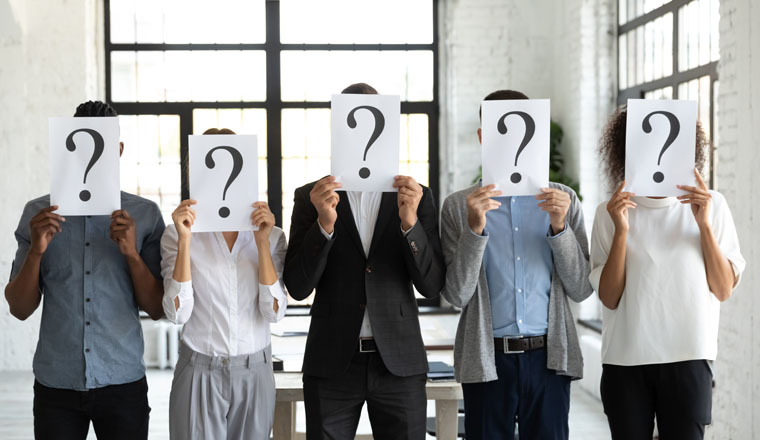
364	207
667	312
226	311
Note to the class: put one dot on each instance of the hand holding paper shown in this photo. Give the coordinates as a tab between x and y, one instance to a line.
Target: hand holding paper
556	202
409	196
325	200
699	198
478	203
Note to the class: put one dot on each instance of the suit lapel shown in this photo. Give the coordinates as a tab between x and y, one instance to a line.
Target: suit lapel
347	218
388	209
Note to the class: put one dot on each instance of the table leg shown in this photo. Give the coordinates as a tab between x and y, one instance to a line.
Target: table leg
446	419
284	420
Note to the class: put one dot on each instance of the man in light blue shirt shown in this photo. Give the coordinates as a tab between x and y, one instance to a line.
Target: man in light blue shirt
91	274
512	263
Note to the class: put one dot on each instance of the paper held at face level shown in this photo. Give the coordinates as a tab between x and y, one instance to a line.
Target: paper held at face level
365	141
515	151
660	147
84	165
224	181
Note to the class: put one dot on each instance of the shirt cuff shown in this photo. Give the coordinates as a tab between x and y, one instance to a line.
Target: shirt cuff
406	232
549	232
327	236
184	291
268	294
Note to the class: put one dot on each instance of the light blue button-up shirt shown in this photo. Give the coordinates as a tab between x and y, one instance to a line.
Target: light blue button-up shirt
90	333
519	266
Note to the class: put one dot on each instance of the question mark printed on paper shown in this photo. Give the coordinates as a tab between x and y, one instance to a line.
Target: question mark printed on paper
530	129
237	166
379	127
675	129
97	151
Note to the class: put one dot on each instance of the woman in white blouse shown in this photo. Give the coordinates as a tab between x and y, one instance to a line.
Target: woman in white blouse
661	266
225	287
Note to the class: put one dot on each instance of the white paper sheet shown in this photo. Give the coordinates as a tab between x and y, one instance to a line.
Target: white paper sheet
515	153
365	141
84	165
660	141
224	181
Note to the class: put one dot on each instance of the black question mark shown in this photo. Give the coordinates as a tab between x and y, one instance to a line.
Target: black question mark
530	129
379	127
99	145
675	128
237	165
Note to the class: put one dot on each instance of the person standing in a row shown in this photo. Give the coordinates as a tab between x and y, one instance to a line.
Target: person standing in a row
661	266
512	264
225	287
92	274
362	252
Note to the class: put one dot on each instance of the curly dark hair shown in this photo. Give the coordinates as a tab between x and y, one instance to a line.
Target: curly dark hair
612	149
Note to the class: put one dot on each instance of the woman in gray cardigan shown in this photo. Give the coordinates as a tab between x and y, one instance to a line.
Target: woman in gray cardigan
512	263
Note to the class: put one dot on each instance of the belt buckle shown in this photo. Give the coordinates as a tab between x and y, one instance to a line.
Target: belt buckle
361	346
506	345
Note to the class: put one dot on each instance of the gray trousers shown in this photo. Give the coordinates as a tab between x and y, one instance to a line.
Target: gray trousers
219	398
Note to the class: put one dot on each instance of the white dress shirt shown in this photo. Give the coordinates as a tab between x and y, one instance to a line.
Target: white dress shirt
224	308
667	312
364	207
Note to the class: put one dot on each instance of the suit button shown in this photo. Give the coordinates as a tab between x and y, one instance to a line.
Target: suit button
362	306
368	269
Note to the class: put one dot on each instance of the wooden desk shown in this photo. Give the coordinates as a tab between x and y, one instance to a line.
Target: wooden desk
290	391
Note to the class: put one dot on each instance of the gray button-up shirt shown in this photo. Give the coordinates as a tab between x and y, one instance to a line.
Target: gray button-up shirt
90	333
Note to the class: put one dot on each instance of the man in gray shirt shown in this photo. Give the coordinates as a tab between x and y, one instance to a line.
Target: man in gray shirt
91	273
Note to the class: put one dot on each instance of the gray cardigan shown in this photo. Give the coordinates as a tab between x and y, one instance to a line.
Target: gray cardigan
466	287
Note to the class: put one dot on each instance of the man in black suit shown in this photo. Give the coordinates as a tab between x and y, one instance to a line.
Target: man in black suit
362	252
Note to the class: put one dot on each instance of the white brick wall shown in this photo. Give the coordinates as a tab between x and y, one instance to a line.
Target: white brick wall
487	45
736	402
49	64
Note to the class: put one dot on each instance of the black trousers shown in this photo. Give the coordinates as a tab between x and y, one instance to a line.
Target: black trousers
116	412
678	394
397	406
539	397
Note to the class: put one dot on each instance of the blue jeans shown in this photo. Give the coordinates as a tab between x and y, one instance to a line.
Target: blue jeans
526	389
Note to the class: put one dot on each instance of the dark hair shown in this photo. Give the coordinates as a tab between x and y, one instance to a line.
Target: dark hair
359	89
501	95
94	108
612	148
218	131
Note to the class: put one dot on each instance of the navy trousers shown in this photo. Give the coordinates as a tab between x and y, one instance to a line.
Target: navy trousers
526	390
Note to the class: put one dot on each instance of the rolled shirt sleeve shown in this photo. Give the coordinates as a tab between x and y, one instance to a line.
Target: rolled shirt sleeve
172	287
268	293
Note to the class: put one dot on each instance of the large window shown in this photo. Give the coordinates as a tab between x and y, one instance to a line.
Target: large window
669	49
178	67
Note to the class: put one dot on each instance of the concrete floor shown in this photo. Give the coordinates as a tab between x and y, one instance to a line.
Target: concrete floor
587	421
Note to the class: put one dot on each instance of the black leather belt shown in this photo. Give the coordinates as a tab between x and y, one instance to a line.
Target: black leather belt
367	345
511	344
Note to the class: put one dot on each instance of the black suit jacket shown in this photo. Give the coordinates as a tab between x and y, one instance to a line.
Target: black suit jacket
347	283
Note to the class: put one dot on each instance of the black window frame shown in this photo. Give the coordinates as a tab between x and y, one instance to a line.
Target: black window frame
677	77
273	105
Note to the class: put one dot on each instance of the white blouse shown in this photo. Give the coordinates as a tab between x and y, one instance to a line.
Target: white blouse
224	308
667	312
